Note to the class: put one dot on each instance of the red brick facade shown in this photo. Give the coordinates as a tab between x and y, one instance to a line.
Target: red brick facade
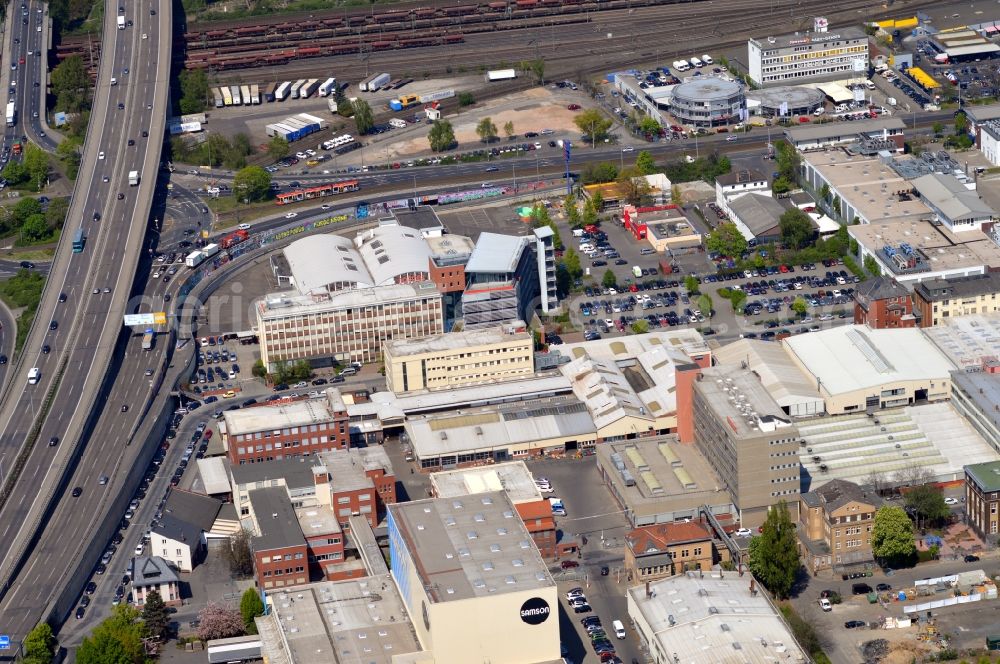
290	442
286	566
449	279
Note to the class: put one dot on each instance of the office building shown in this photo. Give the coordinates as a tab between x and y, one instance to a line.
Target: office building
473	581
505	276
813	56
937	299
881	303
835	525
661	551
746	437
279	549
708	101
707	617
953	204
982	498
445	361
290	429
887	133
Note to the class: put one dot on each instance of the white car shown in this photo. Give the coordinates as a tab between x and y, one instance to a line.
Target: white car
730	139
951	501
743	532
325	206
301	155
100	155
291	215
628	148
544	488
139	548
244	227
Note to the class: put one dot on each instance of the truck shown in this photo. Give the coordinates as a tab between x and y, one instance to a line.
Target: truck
500	75
308	88
210	250
147	339
220	101
695	62
199	256
245	95
404	101
11	115
227	97
254	94
377	82
133	178
234	91
328	86
281	92
17	148
269	92
296	86
121	22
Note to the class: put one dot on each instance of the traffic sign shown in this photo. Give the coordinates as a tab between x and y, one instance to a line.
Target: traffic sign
4	642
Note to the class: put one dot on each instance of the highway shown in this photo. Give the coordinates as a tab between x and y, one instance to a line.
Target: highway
88	325
25	72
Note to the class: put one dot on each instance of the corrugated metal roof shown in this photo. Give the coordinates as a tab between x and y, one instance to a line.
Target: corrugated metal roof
318	261
496	253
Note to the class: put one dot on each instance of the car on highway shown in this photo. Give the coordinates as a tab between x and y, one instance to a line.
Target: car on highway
492	169
121	196
628	148
121	106
244	227
971	558
46	349
730	139
291	215
77	492
62	297
102	480
53	325
131	142
53	441
100	155
27	265
3	359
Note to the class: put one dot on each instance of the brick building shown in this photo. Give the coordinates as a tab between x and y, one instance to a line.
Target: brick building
279	549
835	525
287	430
883	303
982	498
666	549
358	481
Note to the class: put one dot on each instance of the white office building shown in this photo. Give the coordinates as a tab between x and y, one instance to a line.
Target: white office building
812	56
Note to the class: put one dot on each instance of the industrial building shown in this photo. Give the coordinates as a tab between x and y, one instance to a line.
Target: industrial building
444	361
665	227
812	56
504	278
757	216
750	442
975	395
473	581
956	206
795	392
937	299
888	131
706	617
707	102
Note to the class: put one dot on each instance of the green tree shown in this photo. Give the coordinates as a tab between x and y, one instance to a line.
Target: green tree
155	616
928	502
589	213
788	160
486	130
609	280
39	645
441	136
364	119
961	123
800	306
675	195
691	284
194	90
259	370
871	266
645	163
117	640
824	192
277	148
15	173
537	67
251	183
36	162
251	606
70	85
727	240
597	200
738	300
796	228
68	152
938	128
633	188
25	208
466	99
705	304
598	173
892	536
641	326
34	228
238	554
593	124
571	210
508	129
571	260
649	126
774	554
781	185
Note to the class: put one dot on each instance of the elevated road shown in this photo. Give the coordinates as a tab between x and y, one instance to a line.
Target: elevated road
45	533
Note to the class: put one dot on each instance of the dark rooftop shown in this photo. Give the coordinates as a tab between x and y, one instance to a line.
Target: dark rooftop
879	288
837	493
935	290
742	176
419	218
194	508
297	472
152	571
277	524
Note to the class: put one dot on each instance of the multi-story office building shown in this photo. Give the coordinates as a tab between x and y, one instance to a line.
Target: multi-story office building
505	276
835	525
459	358
936	299
982	498
297	428
812	56
746	437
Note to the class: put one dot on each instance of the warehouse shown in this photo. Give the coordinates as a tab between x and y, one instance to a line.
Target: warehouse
793	390
707	102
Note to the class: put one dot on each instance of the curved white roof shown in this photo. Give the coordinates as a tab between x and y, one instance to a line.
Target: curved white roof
326	263
390	251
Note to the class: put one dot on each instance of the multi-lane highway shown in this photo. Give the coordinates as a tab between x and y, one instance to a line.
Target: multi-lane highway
85	297
25	74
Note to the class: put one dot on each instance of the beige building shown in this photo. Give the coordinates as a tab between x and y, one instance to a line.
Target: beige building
835	525
472	581
656	552
443	361
747	438
346	325
982	498
937	299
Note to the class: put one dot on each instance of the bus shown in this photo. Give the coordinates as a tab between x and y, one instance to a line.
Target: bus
78	241
147	339
320	191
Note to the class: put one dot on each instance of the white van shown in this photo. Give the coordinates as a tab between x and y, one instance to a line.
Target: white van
619	629
33	375
819	111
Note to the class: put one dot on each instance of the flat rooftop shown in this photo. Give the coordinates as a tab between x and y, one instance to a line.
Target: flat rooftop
317	520
422	218
538	386
348	468
450	249
496	253
968	341
451	341
468	547
843	130
296	472
738	397
713	617
659	471
285	415
282	305
512	477
939	248
987	475
933	436
358	621
277	523
868	184
778	373
849	358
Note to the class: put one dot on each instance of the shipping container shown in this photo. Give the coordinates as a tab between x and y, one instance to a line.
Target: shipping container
328	86
374	83
313	119
281	92
437	95
254	94
219	100
227	97
245	95
269	92
294	94
234	91
309	88
500	75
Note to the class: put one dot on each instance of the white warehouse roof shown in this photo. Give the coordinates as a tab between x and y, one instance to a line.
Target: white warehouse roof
321	262
854	357
391	250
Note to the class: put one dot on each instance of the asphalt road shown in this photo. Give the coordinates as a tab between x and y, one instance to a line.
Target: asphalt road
25	73
88	325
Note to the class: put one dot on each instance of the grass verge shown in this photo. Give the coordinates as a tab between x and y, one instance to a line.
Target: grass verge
23	291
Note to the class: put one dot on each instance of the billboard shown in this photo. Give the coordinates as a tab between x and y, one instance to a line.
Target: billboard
157	318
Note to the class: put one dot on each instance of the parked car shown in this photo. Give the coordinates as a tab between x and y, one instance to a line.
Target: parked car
854	624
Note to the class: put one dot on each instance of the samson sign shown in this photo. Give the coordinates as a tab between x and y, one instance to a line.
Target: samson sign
535	611
158	318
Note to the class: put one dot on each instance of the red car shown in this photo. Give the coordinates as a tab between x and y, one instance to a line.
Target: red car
21	61
569	564
208	434
572	107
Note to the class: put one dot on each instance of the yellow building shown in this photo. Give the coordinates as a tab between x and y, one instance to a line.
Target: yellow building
442	361
835	528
